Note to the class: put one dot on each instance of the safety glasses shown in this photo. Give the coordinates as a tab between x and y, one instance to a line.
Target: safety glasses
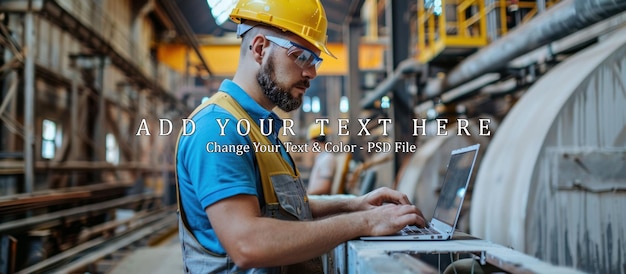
305	58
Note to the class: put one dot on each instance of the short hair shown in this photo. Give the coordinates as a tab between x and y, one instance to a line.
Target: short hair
246	38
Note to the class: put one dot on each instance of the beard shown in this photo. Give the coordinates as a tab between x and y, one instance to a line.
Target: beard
277	94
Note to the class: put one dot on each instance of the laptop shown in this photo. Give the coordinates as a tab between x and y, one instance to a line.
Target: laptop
449	203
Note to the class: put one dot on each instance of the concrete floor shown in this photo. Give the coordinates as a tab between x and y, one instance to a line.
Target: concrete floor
162	259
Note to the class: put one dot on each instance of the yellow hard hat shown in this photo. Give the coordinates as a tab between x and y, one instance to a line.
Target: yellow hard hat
305	18
315	131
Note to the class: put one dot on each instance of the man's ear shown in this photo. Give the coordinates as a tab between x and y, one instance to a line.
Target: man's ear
259	46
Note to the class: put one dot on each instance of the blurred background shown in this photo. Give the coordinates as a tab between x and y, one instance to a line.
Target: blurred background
83	186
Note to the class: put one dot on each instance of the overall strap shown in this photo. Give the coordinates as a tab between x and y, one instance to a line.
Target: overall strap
269	163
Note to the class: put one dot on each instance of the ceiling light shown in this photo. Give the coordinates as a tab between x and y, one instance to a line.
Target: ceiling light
220	9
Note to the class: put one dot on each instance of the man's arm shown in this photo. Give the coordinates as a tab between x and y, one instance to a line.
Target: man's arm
319	186
252	240
322	175
325	207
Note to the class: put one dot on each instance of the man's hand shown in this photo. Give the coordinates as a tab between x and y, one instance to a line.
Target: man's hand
390	218
388	198
381	196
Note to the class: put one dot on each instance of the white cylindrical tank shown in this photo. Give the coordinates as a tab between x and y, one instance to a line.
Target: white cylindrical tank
553	181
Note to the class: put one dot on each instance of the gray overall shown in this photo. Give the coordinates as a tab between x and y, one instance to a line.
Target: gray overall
285	199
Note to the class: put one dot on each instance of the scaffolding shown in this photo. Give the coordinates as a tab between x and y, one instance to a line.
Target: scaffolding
447	27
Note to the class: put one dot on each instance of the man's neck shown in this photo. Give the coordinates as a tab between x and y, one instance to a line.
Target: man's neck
252	88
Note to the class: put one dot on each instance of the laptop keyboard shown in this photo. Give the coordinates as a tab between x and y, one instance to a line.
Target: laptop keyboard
414	230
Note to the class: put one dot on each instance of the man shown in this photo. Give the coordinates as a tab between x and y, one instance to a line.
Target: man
323	171
245	210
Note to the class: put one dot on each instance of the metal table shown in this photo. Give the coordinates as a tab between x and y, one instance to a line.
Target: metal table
359	256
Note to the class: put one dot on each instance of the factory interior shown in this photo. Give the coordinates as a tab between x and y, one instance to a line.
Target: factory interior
94	93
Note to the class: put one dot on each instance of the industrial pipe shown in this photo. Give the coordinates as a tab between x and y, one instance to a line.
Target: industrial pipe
410	65
557	22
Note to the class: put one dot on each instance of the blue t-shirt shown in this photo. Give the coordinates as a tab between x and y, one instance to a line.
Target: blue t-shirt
206	176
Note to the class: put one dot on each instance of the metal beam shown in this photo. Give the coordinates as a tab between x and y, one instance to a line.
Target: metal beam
352	36
136	233
99	134
354	11
55	218
226	53
29	103
182	26
402	101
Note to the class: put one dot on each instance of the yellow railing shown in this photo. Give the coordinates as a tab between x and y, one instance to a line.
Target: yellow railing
449	23
530	7
464	23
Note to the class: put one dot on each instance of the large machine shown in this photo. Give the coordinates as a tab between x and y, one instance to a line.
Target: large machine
551	182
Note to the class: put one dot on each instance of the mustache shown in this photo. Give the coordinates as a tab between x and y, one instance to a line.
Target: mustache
303	83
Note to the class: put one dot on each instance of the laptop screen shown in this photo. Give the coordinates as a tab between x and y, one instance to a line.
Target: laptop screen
454	186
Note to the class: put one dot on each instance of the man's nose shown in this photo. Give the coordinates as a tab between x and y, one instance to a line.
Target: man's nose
309	72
